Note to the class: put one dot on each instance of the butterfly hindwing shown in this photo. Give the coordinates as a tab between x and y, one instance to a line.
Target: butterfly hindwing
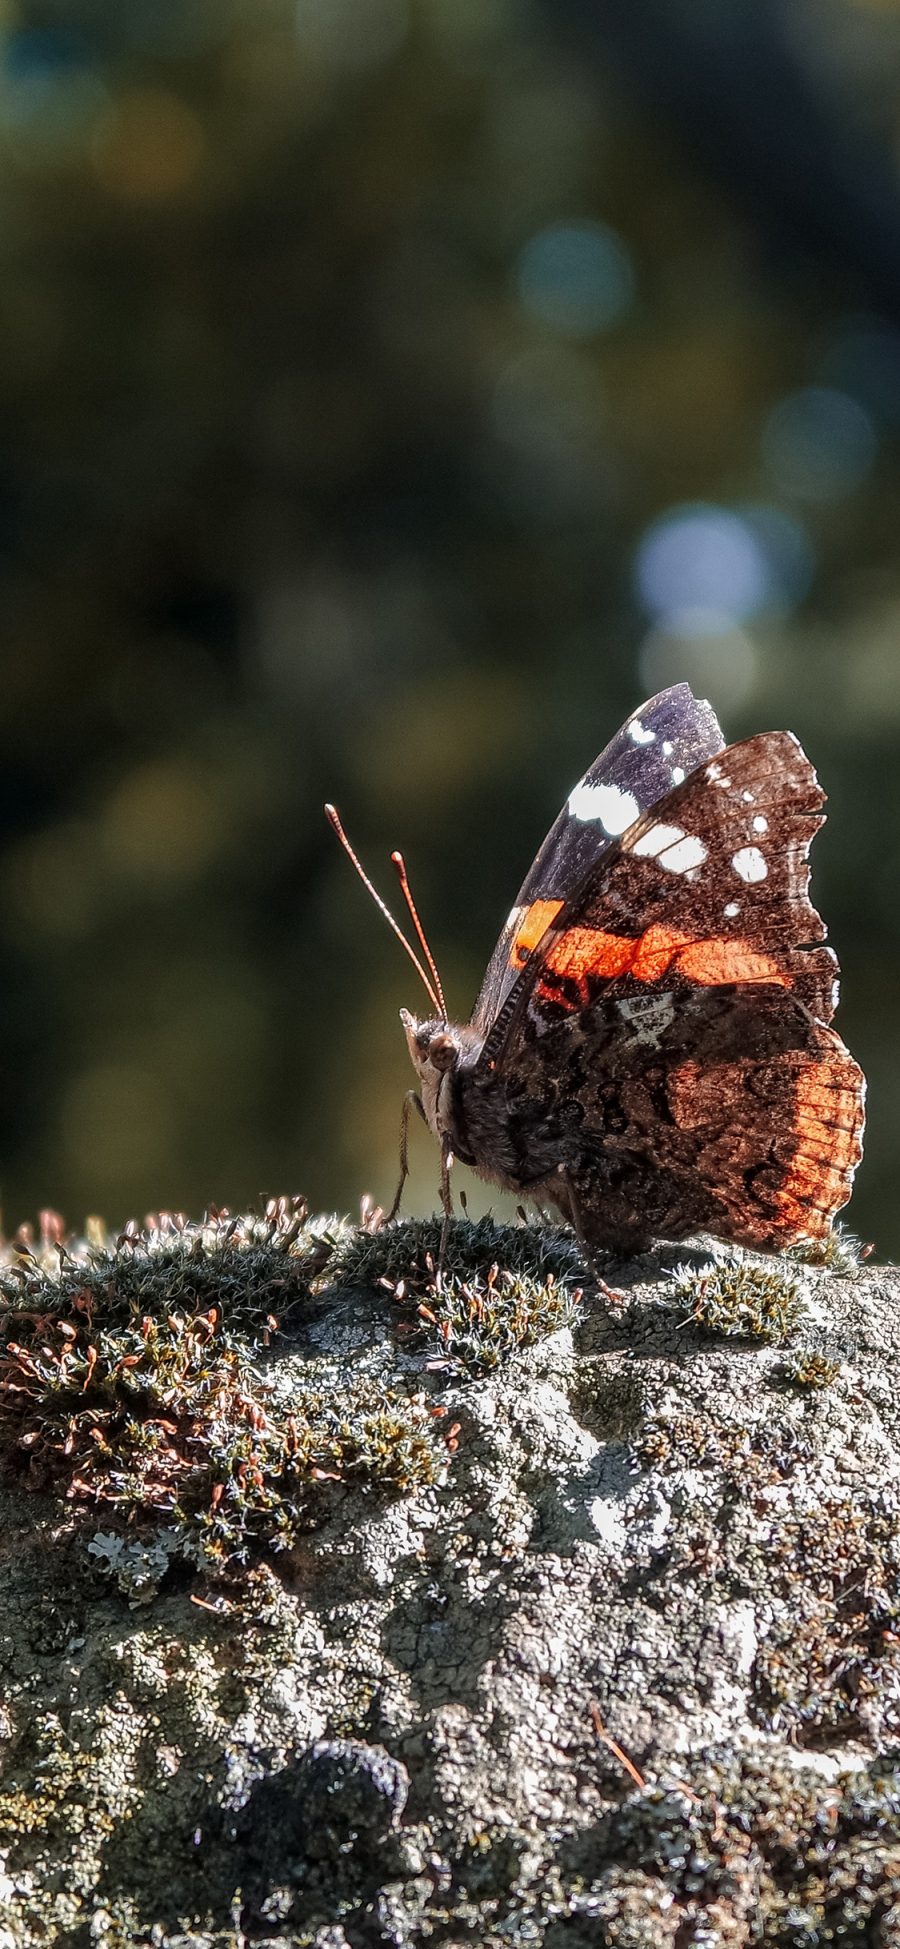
731	1110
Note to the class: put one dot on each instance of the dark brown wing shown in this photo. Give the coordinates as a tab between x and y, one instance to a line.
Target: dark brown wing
675	1013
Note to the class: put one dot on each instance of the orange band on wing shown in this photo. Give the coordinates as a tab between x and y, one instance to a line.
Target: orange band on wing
531	929
710	963
587	951
584	951
827	1125
655	950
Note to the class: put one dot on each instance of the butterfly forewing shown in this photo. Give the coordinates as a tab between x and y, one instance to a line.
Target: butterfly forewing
709	888
656	748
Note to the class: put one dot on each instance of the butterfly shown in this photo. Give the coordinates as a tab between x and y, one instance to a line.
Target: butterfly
651	1051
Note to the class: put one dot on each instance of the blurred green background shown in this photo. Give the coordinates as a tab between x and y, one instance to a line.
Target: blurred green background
394	393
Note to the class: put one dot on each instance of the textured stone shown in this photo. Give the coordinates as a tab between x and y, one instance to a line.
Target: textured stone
627	1673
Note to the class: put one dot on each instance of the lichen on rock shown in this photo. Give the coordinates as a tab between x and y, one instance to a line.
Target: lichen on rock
351	1599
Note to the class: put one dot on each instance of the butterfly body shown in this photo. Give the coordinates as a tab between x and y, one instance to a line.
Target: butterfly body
511	1140
651	1051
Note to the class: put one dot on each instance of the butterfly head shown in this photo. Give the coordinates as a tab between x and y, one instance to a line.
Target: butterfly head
437	1048
434	1049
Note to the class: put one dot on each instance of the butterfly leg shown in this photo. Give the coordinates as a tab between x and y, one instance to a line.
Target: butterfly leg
612	1294
410	1098
573	1211
446	1198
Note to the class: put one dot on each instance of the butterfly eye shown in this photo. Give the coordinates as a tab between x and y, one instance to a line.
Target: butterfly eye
441	1051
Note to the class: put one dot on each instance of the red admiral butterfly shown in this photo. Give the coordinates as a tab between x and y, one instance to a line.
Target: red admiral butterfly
650	1050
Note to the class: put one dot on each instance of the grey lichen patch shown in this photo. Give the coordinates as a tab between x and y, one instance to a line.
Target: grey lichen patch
741	1300
738	1852
829	1665
766	1511
137	1564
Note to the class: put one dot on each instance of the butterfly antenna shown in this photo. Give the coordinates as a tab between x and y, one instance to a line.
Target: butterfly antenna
433	989
399	864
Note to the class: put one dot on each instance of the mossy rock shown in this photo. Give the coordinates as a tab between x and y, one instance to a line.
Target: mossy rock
355	1596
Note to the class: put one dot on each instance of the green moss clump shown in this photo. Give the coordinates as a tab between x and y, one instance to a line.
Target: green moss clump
500	1287
139	1375
809	1368
839	1251
409	1250
255	1268
740	1300
474	1324
137	1381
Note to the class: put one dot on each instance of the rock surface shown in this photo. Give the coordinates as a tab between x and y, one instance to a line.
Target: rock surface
625	1670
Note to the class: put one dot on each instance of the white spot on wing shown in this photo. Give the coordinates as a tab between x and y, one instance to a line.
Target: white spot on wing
639	733
677	774
732	910
514	919
656	840
760	824
667	747
748	862
689	853
614	810
678	851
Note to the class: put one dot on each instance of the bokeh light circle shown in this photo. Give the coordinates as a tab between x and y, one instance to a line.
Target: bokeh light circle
577	278
819	444
789	552
699	558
